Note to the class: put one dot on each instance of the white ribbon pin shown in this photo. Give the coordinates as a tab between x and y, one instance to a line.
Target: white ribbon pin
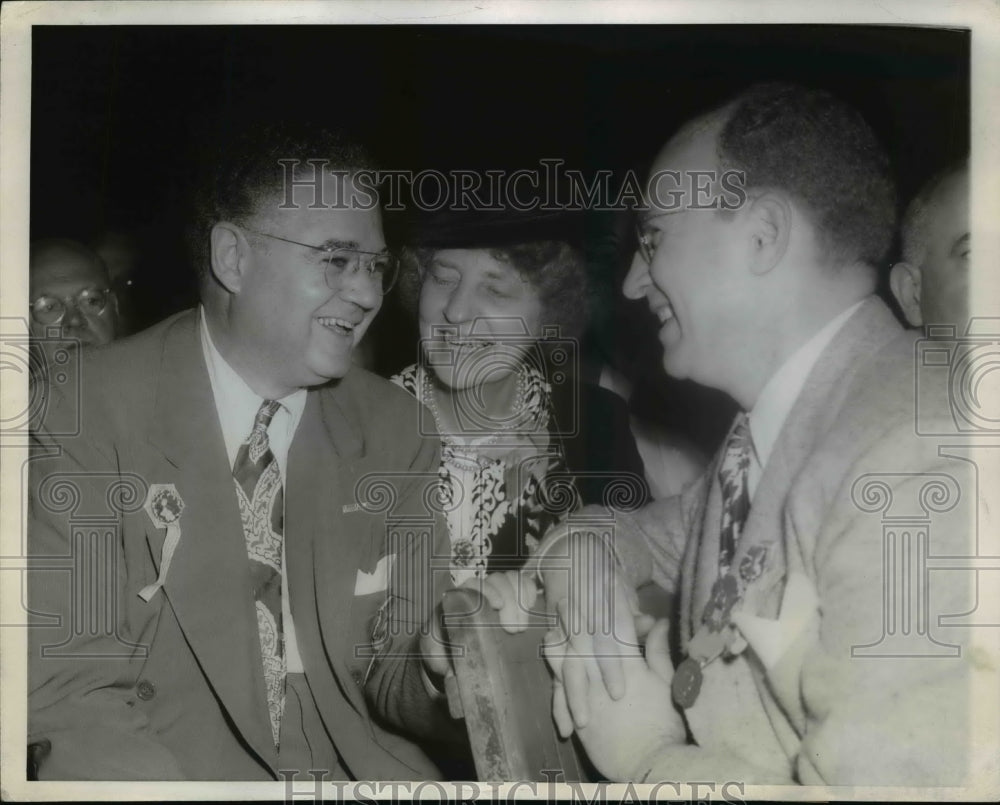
164	507
771	638
377	580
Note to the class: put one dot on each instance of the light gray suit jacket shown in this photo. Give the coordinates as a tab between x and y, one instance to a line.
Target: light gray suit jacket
806	701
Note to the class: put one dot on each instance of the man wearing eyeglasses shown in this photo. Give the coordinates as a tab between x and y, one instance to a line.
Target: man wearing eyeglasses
243	572
813	645
70	294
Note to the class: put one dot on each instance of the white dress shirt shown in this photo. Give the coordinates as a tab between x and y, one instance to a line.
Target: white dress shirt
779	394
237	405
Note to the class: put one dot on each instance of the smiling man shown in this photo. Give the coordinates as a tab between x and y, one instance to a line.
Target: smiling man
793	665
227	610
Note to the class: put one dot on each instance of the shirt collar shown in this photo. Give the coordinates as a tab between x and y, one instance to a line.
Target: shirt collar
779	394
237	403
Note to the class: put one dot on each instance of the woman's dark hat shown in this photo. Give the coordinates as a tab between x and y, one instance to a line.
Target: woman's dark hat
485	229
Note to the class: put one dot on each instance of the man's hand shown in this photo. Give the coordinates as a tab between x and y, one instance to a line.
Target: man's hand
596	606
433	648
624	736
593	602
513	593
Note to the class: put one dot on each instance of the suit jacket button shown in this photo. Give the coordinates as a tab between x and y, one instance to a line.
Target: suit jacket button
145	690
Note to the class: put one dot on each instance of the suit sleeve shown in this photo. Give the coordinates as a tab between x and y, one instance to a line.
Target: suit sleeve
79	687
870	711
650	541
395	686
878	711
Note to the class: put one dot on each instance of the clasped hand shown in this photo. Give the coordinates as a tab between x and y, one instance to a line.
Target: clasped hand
604	688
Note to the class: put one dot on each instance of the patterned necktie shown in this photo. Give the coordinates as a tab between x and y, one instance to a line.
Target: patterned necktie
715	636
733	474
258	488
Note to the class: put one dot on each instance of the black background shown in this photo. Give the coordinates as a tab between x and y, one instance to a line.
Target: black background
116	112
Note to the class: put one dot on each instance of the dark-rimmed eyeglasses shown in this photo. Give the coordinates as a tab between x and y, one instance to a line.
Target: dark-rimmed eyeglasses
382	268
91	302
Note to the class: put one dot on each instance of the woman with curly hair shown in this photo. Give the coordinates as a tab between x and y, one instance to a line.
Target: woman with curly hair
524	440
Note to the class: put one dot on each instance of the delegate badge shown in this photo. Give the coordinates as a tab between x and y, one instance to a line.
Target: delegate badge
686	684
752	565
164	507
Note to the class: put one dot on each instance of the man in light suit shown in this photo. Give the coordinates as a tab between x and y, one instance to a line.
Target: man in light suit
791	662
205	575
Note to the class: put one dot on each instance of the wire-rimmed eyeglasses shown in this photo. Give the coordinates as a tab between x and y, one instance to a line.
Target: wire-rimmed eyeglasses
382	268
91	302
649	239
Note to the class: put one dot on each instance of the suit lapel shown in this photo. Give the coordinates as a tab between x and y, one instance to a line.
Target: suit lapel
208	584
819	401
323	546
810	418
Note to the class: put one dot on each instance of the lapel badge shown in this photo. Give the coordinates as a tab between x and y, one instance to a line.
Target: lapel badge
164	507
752	565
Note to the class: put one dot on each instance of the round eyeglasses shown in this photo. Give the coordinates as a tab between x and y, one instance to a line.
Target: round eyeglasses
382	268
91	302
649	237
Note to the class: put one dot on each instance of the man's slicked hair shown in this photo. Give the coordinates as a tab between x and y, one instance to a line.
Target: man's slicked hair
243	174
822	152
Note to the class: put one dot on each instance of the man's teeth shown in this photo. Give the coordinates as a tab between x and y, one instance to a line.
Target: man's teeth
333	323
665	313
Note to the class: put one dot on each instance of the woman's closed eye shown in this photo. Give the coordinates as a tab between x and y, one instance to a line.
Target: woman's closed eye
499	292
444	279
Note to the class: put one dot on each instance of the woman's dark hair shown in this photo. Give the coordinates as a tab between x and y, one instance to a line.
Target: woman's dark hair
554	267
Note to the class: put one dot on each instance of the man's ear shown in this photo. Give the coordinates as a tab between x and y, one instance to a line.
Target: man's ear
770	228
904	279
227	256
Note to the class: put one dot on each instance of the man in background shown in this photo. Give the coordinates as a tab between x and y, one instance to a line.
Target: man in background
931	282
70	294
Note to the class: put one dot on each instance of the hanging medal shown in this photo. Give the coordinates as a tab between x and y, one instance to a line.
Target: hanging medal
710	641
